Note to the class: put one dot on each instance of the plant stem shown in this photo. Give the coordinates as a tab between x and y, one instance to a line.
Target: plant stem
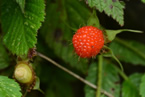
99	84
121	73
70	26
25	93
73	74
130	47
113	56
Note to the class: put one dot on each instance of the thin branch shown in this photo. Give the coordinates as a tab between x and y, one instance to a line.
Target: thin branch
73	74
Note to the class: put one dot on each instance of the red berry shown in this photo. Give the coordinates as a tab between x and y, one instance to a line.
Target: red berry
88	41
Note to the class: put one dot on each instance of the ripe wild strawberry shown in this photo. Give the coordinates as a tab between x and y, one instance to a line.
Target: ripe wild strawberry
88	41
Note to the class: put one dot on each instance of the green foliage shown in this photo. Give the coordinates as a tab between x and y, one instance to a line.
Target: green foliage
20	21
21	4
131	86
111	7
124	50
142	86
110	81
21	28
9	88
4	58
77	13
56	28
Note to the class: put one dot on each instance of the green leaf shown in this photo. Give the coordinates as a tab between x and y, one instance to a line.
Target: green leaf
124	50
111	34
92	72
111	7
21	29
136	79
4	58
142	86
93	20
130	87
75	10
9	88
21	4
129	90
110	81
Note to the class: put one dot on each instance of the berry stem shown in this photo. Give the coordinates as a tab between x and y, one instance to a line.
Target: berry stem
99	83
69	26
73	74
123	75
113	56
25	93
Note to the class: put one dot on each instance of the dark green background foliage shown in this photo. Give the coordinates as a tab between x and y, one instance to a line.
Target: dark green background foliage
49	26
